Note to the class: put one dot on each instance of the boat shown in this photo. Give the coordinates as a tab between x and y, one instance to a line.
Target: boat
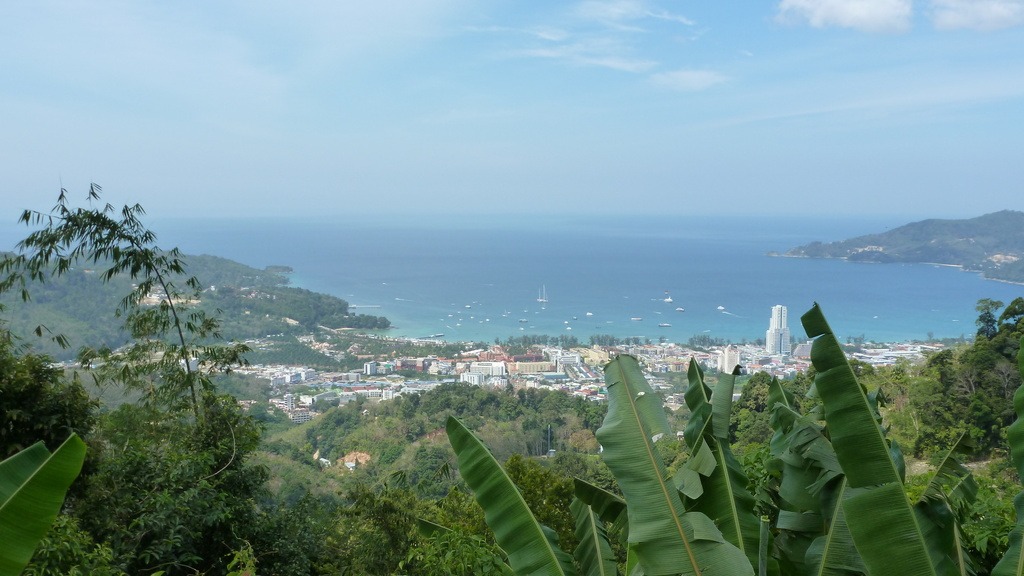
590	313
523	320
679	309
664	325
721	307
542	295
668	297
636	318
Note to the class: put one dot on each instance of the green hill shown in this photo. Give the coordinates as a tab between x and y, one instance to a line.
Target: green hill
251	303
992	244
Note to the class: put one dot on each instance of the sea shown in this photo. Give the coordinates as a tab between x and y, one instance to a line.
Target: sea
492	276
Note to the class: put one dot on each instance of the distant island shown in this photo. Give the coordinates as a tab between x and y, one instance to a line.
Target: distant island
992	244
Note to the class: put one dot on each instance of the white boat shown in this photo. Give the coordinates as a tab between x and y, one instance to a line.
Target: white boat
668	297
590	313
679	309
721	308
664	325
636	318
542	295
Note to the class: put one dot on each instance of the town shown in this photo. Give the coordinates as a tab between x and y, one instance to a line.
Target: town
302	392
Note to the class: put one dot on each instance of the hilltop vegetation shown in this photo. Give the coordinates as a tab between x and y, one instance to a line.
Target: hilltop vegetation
252	303
992	244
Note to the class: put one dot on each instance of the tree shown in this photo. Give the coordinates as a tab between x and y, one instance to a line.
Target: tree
38	404
170	357
986	322
172	488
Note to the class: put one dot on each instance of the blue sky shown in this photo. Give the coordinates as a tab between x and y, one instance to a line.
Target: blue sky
323	108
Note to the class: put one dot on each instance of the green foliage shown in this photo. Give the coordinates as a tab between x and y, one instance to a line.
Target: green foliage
169	335
38	403
531	547
1013	561
376	530
832	491
198	487
455	553
33	483
68	550
877	510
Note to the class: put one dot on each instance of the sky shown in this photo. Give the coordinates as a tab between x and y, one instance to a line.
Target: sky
500	109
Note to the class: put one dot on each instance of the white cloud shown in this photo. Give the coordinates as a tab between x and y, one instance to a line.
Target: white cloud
586	54
864	15
616	13
549	33
688	80
977	14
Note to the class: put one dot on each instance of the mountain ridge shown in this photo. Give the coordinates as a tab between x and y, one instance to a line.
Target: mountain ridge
992	244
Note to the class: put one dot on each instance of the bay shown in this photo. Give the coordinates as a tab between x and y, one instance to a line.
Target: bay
480	277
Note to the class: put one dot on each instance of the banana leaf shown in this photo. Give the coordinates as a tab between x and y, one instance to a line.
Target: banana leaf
593	552
952	484
665	538
812	534
721	403
33	483
531	547
723	496
697	398
428	528
608	507
885	529
1012	563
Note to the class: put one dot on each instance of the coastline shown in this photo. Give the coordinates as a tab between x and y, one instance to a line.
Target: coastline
981	273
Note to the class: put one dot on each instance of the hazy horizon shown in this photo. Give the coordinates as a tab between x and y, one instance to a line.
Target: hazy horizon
516	109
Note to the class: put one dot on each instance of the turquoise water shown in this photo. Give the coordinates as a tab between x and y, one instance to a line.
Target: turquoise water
480	279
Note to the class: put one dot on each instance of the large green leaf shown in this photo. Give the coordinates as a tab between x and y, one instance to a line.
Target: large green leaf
833	553
723	496
946	502
608	506
721	403
812	534
880	517
531	547
33	483
1012	563
593	552
666	539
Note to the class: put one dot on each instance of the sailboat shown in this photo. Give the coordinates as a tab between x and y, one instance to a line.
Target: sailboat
542	296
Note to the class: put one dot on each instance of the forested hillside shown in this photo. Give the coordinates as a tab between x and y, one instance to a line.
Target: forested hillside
251	303
992	244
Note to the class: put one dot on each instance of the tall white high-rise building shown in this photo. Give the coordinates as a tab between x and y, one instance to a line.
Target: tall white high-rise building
776	338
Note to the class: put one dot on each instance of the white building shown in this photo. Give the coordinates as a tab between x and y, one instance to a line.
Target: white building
776	338
728	358
488	368
474	378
